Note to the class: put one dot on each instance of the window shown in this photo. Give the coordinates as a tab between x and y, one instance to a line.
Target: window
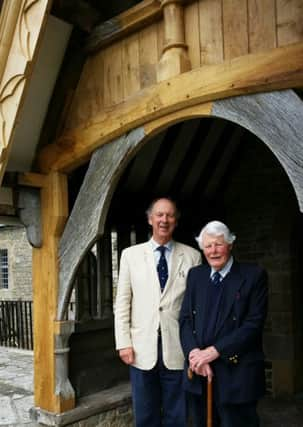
3	269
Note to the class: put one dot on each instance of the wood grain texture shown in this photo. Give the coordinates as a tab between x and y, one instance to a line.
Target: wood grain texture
155	126
289	21
28	179
86	221
211	34
127	22
160	38
277	119
54	212
113	79
148	56
215	30
235	34
22	25
174	59
277	69
262	25
88	98
130	65
192	38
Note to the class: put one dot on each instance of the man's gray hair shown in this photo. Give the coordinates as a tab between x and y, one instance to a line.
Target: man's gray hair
169	199
216	228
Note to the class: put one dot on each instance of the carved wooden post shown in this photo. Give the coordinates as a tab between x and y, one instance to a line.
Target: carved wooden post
174	58
64	392
50	352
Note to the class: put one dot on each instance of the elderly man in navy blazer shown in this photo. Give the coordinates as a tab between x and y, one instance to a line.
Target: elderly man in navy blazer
221	325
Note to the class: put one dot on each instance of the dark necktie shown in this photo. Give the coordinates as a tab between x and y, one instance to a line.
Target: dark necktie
216	278
162	267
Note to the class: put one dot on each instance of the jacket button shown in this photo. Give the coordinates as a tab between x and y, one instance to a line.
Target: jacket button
194	311
160	309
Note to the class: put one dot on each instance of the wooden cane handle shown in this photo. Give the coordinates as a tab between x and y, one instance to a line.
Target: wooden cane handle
189	374
209	404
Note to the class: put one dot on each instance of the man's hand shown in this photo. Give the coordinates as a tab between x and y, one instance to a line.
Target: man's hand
127	355
206	371
198	358
193	353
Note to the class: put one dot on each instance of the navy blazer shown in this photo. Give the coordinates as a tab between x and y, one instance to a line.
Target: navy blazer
239	371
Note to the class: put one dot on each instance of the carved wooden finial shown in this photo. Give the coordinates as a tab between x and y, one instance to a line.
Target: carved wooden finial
174	58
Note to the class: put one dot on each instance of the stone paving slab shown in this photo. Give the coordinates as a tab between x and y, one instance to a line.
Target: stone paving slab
16	387
281	412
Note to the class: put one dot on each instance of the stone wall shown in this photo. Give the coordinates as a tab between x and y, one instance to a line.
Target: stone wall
19	264
263	212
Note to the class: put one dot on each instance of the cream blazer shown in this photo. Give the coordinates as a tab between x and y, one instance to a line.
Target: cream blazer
141	308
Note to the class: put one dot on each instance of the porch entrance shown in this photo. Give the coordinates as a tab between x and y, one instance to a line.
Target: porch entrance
214	169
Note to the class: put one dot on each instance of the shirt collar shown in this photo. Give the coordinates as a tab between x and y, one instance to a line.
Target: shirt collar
225	270
155	245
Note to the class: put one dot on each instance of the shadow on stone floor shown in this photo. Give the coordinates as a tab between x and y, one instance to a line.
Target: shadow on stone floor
286	412
280	412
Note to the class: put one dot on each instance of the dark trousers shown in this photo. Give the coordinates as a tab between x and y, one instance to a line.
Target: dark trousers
158	398
228	415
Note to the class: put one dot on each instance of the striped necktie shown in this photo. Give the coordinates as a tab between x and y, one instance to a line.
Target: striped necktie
216	278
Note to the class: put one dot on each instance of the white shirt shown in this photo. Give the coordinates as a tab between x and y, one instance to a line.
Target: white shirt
157	254
225	270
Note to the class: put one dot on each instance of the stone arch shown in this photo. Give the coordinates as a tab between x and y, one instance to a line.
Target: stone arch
276	118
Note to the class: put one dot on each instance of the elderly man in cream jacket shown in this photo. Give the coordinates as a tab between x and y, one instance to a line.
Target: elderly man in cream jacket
150	290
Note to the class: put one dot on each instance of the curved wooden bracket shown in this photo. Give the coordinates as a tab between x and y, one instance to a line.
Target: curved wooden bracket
87	219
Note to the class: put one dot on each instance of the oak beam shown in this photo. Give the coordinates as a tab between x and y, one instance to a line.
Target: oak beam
271	70
29	179
123	24
134	19
54	211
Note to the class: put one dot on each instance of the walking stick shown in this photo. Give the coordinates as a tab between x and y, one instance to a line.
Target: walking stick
209	403
209	398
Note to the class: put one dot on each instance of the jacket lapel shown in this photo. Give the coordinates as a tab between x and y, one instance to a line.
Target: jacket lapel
175	267
151	270
232	284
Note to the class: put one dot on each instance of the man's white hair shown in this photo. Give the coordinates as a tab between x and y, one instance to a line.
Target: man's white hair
216	228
